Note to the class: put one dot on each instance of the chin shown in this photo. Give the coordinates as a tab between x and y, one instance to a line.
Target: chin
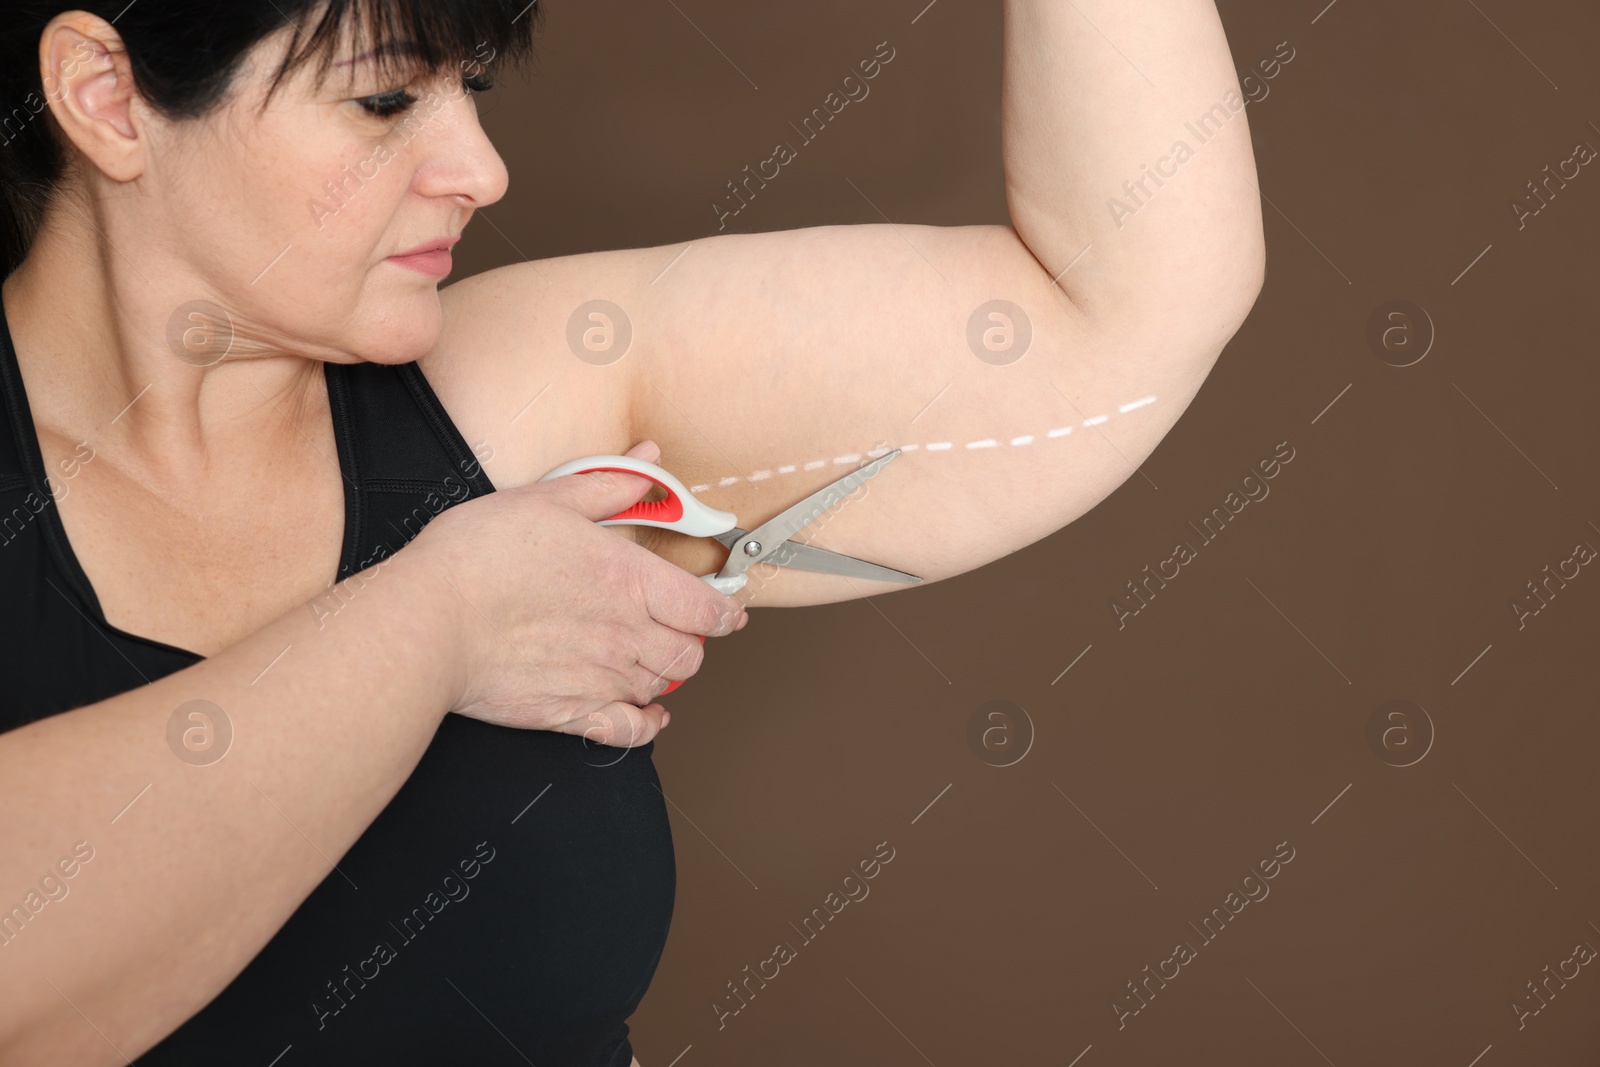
404	333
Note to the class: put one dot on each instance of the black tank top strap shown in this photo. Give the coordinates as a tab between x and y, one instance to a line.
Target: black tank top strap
11	468
13	471
406	459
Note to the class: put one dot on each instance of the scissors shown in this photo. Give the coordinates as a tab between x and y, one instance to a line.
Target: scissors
767	543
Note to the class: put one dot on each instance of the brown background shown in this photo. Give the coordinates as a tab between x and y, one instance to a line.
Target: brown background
1226	716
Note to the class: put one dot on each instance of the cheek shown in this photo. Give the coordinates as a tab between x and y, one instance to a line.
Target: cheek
283	210
304	223
343	202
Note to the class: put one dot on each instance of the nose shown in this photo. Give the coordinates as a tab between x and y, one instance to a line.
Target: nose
461	161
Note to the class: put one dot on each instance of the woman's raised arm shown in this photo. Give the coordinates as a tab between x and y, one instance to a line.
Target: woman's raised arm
1026	369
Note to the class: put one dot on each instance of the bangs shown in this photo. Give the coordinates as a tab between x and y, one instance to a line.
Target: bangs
410	37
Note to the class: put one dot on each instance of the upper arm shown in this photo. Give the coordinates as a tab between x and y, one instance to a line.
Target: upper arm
776	362
767	365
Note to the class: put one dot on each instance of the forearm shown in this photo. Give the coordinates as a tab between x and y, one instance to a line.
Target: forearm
197	864
1128	156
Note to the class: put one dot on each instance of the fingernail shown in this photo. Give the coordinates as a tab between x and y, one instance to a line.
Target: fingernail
744	619
666	717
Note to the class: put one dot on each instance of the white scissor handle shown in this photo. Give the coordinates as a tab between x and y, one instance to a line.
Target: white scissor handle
679	511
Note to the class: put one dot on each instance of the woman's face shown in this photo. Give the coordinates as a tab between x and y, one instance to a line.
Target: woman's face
287	217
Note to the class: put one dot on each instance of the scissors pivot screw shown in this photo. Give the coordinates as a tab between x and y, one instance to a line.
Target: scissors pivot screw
752	548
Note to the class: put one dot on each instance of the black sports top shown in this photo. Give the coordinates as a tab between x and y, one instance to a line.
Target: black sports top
511	903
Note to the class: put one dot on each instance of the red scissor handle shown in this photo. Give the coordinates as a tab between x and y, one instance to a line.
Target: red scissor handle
680	510
665	512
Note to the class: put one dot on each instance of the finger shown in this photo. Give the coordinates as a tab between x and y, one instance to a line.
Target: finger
675	658
677	599
643	685
670	653
599	495
621	725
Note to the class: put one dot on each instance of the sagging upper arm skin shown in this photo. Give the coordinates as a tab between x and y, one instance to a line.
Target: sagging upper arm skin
772	364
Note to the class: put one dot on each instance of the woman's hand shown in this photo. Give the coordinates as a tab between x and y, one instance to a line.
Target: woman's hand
561	624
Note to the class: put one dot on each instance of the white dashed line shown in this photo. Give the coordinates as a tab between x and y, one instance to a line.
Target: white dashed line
931	446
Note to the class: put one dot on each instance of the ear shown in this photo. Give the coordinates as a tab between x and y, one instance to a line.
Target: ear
88	83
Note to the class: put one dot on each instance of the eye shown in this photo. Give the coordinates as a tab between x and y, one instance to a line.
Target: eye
387	105
392	103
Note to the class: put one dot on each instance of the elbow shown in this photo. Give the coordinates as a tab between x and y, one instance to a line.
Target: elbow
1202	317
1196	299
1228	289
1239	296
1217	285
1253	260
1254	267
1196	321
1239	271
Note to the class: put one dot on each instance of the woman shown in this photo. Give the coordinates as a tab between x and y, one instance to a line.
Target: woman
242	824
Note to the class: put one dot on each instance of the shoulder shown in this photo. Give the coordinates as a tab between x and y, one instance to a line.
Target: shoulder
509	375
540	362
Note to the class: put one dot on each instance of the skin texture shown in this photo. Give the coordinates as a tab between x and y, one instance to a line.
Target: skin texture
212	512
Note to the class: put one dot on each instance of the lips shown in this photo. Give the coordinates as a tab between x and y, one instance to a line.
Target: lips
431	258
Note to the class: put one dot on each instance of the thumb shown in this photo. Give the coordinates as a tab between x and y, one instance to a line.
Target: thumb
623	725
646	450
601	494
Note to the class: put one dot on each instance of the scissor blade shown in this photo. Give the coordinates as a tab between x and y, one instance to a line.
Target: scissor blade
772	535
810	558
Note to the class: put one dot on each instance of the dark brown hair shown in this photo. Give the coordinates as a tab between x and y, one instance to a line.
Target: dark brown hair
184	55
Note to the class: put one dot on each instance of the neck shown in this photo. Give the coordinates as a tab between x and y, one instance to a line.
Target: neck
91	327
